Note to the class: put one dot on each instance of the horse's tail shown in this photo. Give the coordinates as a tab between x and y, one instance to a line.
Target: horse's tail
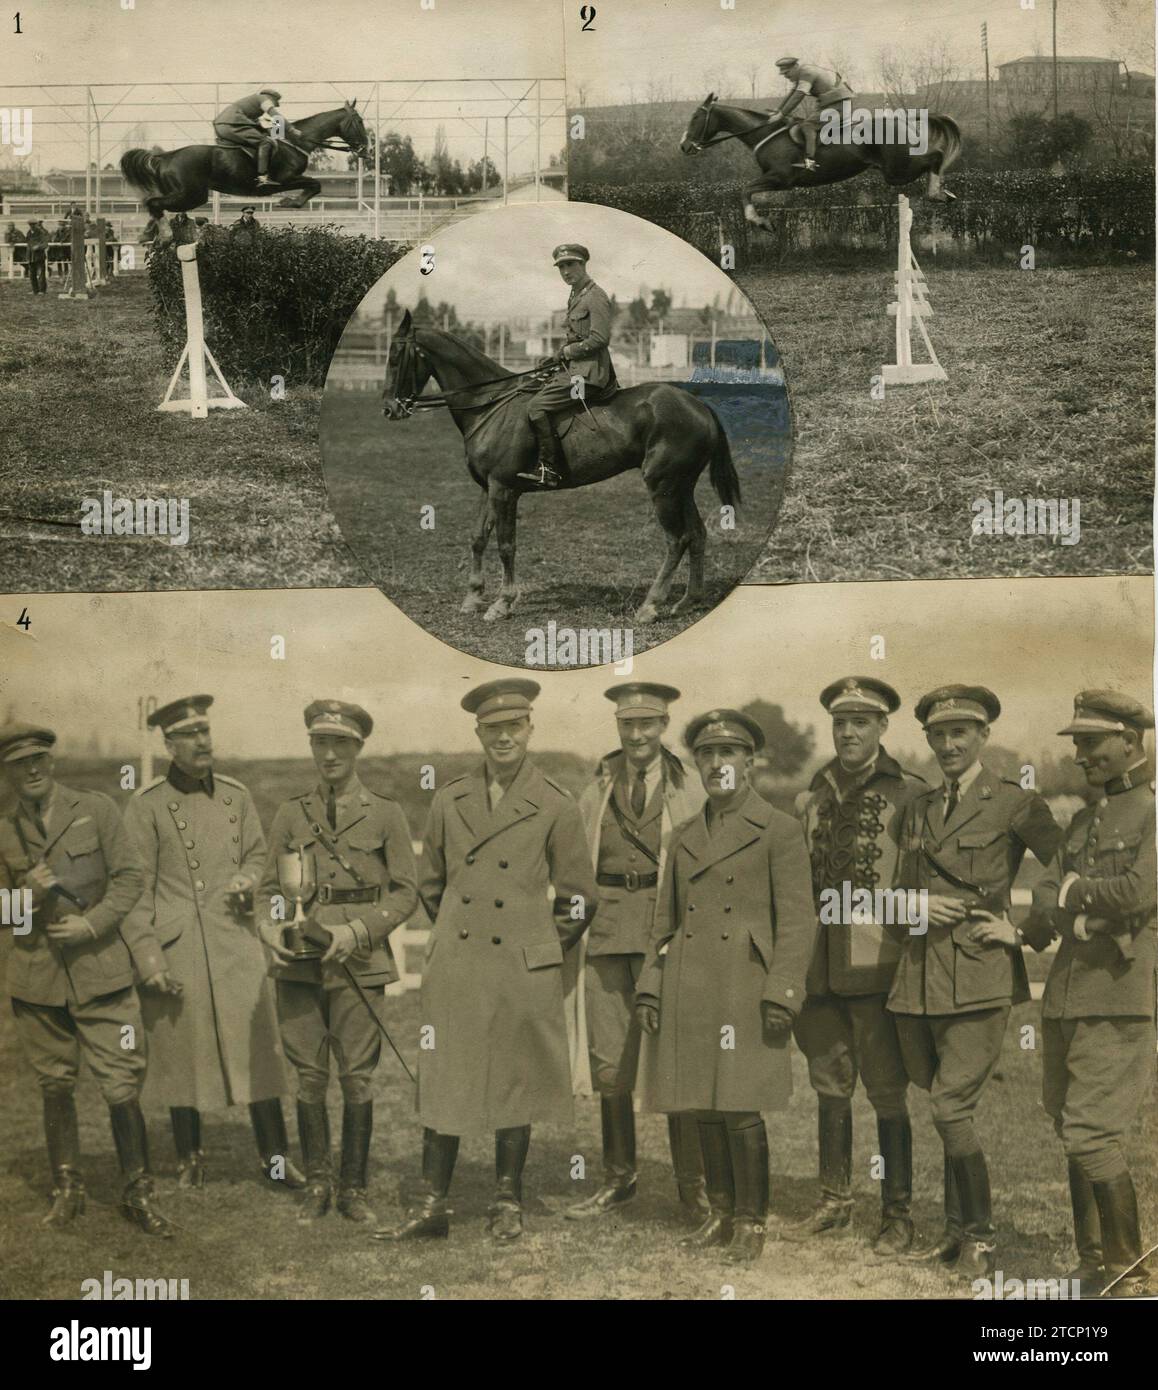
950	140
722	471
142	169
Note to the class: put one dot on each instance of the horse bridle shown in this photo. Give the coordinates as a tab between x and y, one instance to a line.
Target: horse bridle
409	353
707	107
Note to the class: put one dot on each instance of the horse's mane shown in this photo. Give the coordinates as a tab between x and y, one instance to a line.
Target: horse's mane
476	355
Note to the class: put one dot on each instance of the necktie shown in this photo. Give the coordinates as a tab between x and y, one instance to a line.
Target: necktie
332	809
951	804
639	794
38	819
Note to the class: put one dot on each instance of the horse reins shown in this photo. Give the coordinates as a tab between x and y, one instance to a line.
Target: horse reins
409	404
721	135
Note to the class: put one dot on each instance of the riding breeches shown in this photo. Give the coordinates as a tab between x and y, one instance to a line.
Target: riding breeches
248	135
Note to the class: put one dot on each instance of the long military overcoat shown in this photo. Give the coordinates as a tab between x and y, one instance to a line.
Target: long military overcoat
493	1047
737	918
217	1044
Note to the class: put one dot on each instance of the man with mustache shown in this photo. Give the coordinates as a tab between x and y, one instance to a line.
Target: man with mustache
1100	897
962	843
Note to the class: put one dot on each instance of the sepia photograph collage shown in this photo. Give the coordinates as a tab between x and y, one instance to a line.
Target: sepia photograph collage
577	667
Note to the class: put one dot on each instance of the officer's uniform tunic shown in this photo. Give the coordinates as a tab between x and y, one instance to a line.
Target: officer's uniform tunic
216	1044
317	1007
76	1000
588	328
237	123
493	1053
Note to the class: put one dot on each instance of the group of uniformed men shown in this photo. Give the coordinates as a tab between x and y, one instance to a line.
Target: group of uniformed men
667	936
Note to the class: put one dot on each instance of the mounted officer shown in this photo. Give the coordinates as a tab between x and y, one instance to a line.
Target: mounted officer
827	88
256	124
585	355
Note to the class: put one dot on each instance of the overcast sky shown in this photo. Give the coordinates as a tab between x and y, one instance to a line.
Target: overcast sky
499	265
698	44
87	659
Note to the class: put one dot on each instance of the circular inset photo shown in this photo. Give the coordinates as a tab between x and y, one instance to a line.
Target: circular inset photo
556	435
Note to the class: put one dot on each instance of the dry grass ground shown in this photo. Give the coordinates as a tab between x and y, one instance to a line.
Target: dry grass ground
1050	394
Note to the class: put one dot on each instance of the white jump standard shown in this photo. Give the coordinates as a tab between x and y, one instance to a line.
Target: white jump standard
199	402
910	306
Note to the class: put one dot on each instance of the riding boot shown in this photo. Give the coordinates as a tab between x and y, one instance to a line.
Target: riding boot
947	1246
505	1215
429	1219
63	1141
749	1150
1121	1238
619	1179
314	1134
720	1185
264	155
357	1125
132	1145
548	475
186	1124
687	1162
834	1135
978	1255
809	161
895	1137
1089	1272
273	1143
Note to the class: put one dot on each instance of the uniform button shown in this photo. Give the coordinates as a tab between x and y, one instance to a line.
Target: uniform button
691	907
199	885
498	902
235	858
724	936
228	800
730	879
328	856
237	839
632	857
464	933
466	898
332	874
503	864
182	825
688	935
470	858
496	940
727	907
789	994
233	820
1121	845
188	844
174	805
194	863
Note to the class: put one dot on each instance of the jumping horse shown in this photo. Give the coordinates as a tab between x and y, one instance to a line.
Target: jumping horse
770	140
667	433
179	180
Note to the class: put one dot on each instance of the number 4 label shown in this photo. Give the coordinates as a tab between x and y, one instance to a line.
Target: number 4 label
24	620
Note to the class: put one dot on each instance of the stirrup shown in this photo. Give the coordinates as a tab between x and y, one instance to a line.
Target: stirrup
807	163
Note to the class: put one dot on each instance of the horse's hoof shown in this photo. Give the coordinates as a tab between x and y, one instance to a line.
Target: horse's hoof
496	612
684	606
646	615
473	603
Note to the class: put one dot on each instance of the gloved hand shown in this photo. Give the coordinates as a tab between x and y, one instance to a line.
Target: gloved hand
343	943
163	983
647	1014
777	1020
544	363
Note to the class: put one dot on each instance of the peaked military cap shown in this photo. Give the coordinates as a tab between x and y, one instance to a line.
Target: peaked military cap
787	62
724	726
24	741
955	702
1107	712
641	699
865	694
269	92
502	701
570	251
181	716
338	717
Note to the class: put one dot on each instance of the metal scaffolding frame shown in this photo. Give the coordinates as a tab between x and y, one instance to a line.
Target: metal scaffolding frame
92	114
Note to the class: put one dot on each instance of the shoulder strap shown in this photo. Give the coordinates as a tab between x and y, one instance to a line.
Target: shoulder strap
331	845
626	831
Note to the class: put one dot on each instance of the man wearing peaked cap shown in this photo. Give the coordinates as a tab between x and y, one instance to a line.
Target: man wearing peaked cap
349	851
962	844
585	355
639	795
495	1059
70	971
851	815
207	1005
734	928
1100	896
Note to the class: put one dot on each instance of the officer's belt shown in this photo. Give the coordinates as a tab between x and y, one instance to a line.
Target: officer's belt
328	894
630	880
364	893
987	898
626	831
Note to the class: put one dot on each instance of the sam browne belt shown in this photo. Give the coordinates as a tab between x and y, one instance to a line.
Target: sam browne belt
630	880
328	894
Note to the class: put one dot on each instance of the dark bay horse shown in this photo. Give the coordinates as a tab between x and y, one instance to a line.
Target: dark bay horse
667	433
180	180
776	152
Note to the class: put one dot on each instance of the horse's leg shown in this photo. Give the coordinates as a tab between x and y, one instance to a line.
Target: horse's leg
696	534
669	511
759	219
474	600
506	507
309	188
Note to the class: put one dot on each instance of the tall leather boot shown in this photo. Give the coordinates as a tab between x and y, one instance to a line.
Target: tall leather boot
186	1124
430	1219
1087	1234
895	1136
62	1138
547	475
131	1140
721	1189
978	1255
1121	1237
834	1136
264	155
314	1134
269	1132
506	1213
357	1126
749	1149
618	1187
687	1163
947	1246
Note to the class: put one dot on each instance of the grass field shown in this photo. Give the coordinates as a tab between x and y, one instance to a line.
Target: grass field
1050	394
585	557
79	386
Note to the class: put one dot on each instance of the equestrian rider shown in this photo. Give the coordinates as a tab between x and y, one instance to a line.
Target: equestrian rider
585	354
828	88
255	123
